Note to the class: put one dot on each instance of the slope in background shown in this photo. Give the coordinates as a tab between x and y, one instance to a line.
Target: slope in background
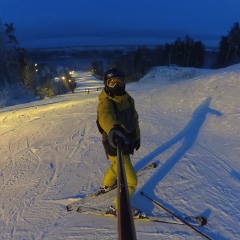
190	123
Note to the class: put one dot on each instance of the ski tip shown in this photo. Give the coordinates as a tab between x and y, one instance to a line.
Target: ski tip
202	220
68	209
142	193
153	165
79	209
199	220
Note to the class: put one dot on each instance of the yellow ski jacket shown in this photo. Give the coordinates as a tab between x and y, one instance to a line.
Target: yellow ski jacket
118	111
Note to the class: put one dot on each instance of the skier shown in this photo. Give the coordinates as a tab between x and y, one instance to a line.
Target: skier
118	119
72	84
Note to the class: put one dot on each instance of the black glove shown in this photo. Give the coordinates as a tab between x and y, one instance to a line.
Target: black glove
115	134
137	144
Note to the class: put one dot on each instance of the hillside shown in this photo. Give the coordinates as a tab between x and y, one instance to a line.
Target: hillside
51	153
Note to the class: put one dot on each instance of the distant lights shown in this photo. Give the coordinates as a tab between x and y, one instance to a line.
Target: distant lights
36	67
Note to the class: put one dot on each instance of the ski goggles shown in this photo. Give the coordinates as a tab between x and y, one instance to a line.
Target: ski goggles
116	81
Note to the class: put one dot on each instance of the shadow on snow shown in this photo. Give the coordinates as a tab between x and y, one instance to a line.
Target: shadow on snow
188	135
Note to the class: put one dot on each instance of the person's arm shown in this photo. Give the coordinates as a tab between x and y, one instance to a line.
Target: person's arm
106	115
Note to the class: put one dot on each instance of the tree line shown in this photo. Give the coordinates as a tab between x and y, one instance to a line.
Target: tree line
229	47
17	68
182	52
19	75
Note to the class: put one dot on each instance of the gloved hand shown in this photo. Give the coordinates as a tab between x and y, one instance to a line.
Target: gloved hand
117	133
137	144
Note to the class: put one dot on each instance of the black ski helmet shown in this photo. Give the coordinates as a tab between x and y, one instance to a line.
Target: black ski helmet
114	73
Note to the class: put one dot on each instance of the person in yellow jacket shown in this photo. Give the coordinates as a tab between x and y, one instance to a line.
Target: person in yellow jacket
118	118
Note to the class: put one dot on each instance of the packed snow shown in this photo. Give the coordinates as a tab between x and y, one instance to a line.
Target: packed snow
51	154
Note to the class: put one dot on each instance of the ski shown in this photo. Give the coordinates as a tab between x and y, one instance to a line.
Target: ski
202	220
77	203
194	221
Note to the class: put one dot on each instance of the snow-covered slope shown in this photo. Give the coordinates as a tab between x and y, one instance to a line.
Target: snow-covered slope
51	152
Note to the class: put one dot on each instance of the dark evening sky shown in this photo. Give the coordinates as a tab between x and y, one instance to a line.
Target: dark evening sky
49	23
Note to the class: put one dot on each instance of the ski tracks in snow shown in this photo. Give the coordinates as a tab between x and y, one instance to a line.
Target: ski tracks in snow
36	162
186	158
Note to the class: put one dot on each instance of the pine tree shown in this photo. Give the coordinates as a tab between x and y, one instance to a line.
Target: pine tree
12	40
229	47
